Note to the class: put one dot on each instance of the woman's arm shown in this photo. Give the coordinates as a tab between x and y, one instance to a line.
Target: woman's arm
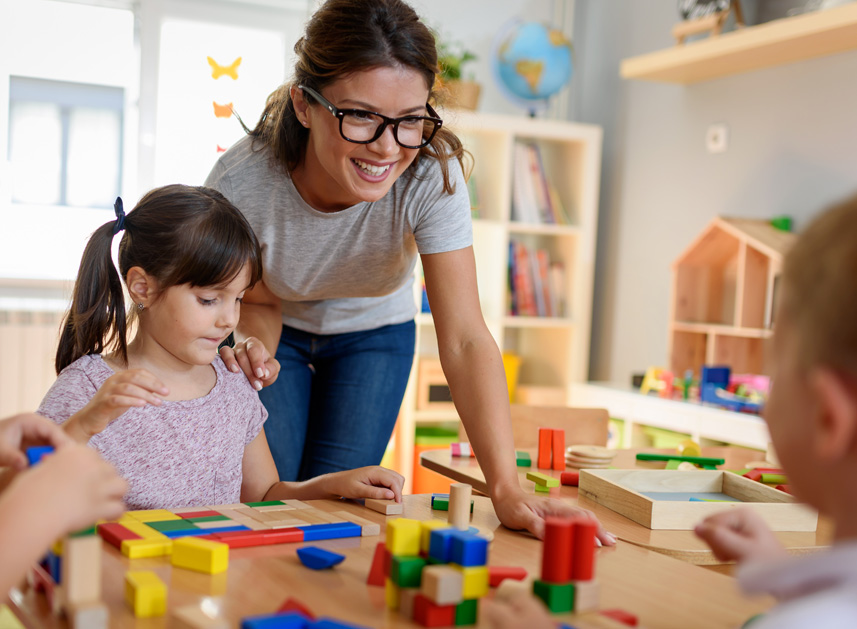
474	370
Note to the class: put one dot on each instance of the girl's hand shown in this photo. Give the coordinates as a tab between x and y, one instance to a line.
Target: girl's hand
521	610
518	510
252	357
364	482
739	535
23	431
124	390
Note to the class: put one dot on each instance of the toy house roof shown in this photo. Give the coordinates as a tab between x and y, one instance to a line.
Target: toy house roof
720	240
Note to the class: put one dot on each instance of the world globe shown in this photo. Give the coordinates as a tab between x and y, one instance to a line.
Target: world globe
532	62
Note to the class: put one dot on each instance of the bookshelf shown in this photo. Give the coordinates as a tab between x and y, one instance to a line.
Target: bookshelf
553	348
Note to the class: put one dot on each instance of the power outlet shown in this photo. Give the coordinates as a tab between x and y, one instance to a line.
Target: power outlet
717	138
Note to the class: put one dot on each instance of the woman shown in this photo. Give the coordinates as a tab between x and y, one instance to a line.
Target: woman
349	174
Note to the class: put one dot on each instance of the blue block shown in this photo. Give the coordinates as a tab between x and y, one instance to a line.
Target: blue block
440	496
288	620
184	533
35	454
317	532
54	566
440	545
468	549
330	623
715	375
318	558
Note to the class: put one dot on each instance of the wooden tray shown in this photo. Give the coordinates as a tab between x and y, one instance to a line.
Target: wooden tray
624	491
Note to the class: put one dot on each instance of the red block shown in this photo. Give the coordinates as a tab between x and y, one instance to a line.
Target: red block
785	488
545	445
498	574
770	470
244	539
376	571
620	615
583	559
570	478
282	536
114	534
559	449
428	614
291	605
199	514
557	550
40	580
755	475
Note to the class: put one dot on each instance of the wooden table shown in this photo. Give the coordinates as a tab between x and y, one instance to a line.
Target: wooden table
682	545
663	592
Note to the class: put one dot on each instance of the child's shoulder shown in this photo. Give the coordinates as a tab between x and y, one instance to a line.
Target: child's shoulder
233	383
91	366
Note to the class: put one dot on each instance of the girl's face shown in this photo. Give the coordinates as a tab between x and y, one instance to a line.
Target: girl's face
336	174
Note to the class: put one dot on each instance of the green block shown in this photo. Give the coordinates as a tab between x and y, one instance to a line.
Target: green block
672	464
775	479
543	479
523	463
407	572
265	503
84	532
542	489
172	525
558	598
465	612
699	460
208	518
439	504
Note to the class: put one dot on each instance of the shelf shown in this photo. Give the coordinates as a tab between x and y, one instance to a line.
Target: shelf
775	43
543	229
537	322
425	318
725	330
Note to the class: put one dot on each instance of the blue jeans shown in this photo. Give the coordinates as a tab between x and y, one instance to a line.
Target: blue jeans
336	400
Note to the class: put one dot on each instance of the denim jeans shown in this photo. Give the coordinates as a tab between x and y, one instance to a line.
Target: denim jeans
336	400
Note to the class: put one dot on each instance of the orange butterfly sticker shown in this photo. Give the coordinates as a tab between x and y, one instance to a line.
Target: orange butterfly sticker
222	111
218	70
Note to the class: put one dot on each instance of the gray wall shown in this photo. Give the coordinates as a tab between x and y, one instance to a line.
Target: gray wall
792	150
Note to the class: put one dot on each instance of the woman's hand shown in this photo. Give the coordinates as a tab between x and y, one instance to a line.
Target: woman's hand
520	610
364	482
518	510
739	535
23	431
253	358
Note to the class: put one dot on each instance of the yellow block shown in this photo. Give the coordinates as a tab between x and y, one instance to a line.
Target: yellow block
201	555
153	515
145	593
689	447
151	547
474	580
393	594
143	530
57	547
8	620
426	527
403	537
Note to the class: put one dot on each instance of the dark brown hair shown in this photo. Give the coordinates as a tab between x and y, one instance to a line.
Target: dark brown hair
346	36
177	234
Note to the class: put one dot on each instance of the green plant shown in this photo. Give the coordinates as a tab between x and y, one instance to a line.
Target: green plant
451	56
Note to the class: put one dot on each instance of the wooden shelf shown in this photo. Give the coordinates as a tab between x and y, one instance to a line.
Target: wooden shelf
543	230
726	330
752	48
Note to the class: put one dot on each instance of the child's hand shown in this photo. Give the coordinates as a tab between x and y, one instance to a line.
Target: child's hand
521	610
739	535
253	358
22	431
364	482
124	390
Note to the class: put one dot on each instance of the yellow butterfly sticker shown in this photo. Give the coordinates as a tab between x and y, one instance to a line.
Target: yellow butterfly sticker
218	70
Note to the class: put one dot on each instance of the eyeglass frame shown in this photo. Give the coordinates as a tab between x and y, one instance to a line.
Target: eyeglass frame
387	121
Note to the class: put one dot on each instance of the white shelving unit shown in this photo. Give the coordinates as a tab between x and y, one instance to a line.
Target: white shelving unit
554	351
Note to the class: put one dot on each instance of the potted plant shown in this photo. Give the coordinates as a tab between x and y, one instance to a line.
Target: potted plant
455	90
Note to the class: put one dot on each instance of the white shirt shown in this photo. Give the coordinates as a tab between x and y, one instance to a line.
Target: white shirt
818	590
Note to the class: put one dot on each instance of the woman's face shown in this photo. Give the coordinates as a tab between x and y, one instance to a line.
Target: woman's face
336	174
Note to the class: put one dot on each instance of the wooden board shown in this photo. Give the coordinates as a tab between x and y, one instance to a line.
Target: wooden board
623	492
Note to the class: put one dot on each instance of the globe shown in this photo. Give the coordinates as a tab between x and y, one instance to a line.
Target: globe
532	62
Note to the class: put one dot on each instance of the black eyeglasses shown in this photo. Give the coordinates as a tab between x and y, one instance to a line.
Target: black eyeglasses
364	127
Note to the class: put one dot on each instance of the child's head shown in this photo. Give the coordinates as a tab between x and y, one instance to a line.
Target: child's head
812	411
176	235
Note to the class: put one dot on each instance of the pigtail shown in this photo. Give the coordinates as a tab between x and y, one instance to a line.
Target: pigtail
96	318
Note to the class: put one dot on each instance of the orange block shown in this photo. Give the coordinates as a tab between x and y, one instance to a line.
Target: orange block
545	446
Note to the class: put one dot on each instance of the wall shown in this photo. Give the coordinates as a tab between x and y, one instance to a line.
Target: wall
792	150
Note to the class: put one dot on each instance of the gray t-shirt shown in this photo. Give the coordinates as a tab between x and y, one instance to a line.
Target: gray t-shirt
350	270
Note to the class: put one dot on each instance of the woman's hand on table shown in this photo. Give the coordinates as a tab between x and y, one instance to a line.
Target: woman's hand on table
253	358
518	510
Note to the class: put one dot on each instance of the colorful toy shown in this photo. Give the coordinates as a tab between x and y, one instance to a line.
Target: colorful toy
145	593
318	558
201	555
551	449
568	563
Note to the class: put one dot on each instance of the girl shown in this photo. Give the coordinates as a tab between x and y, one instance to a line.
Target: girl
163	408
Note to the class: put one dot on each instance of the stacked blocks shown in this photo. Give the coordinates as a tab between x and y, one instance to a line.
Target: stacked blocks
461	450
568	566
436	573
551	449
543	481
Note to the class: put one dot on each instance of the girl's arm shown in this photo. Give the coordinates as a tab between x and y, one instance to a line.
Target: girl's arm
474	370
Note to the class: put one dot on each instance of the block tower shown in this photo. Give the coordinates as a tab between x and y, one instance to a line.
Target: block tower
567	581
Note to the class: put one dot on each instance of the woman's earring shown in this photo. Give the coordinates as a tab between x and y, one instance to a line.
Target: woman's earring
140	307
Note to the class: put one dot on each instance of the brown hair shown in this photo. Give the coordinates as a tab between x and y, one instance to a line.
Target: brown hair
177	234
820	296
346	36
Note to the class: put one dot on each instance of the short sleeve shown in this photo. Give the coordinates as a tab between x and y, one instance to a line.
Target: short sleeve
259	415
219	180
71	392
442	220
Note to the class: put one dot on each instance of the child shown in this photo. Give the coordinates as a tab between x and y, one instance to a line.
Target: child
67	491
180	427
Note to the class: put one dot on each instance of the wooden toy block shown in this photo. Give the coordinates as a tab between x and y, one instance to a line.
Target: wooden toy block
54	566
153	515
774	479
391	594
522	459
620	615
9	620
193	617
440	504
498	574
541	489
376	571
216	524
318	532
199	513
545	448
426	527
459	505
543	479
406	572
182	510
172	525
318	558
474	580
81	570
587	596
510	588
673	464
468	549
429	614
143	530
309	516
200	555
367	527
289	620
558	550
406	602
785	488
37	453
297	504
440	544
442	584
243	539
286	524
583	560
207	519
330	623
139	548
403	537
559	598
114	533
91	615
558	441
461	450
145	593
265	503
571	479
387	507
275	508
698	460
466	612
295	606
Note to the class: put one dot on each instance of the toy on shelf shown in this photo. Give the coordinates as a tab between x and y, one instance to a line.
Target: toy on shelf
717	386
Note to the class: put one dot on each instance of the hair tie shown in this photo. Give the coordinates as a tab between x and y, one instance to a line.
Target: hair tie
120	216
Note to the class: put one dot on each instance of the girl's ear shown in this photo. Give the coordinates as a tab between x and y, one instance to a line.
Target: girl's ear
835	429
301	105
142	287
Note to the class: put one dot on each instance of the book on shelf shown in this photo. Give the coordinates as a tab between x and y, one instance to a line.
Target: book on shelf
536	285
535	199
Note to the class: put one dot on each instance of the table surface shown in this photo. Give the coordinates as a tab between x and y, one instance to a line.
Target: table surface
259	580
684	545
